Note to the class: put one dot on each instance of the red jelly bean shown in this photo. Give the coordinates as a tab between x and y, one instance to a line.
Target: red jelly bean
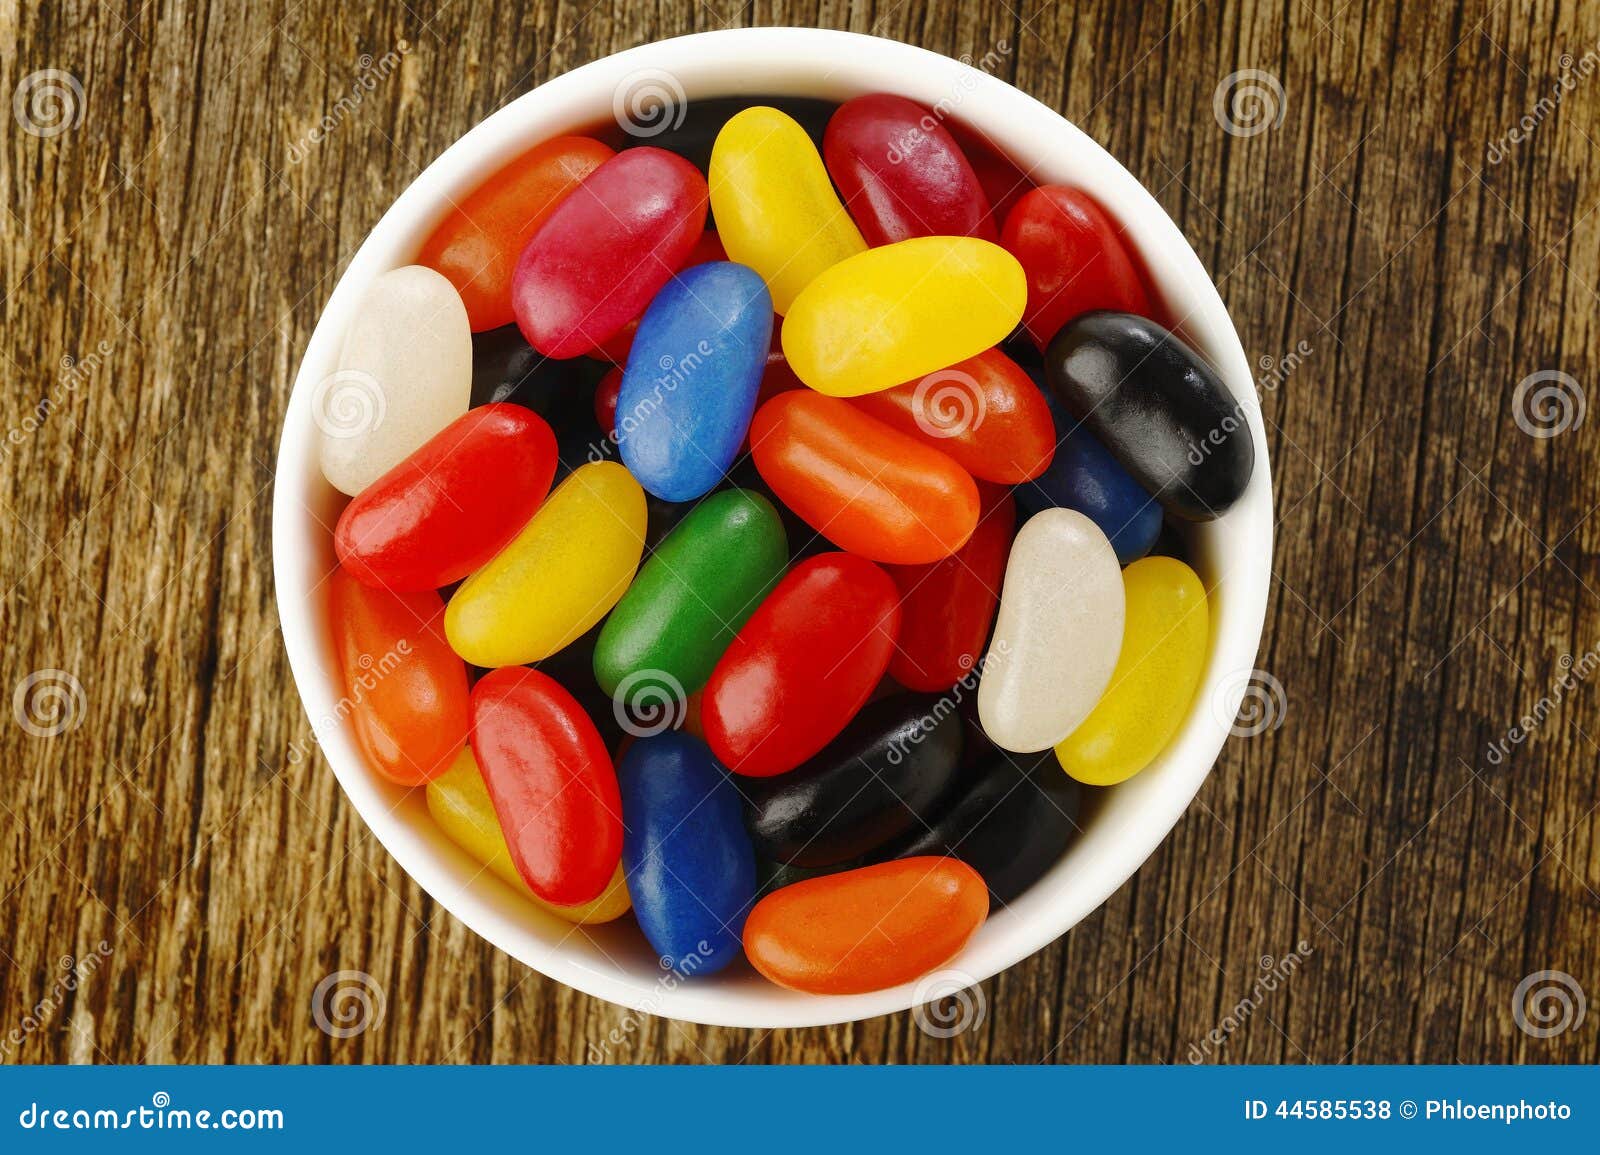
551	781
477	245
866	487
453	504
947	608
605	400
607	249
805	662
1003	182
1074	258
616	348
901	174
866	929
405	688
985	412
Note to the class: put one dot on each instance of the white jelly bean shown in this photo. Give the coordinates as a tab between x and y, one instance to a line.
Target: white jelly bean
1057	635
405	372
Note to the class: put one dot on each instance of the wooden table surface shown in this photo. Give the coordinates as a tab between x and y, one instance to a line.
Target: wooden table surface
1408	210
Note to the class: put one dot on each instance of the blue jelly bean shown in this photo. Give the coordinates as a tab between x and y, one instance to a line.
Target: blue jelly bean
691	872
1085	477
692	377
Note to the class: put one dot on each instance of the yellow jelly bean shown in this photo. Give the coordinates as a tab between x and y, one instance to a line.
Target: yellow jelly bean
558	577
897	313
774	205
459	803
1164	638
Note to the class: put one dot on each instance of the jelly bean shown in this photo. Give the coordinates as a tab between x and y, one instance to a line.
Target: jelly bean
552	784
775	208
692	595
985	412
802	666
691	129
459	802
558	577
866	929
689	865
1004	184
932	301
1158	407
453	504
1163	656
1085	477
405	692
883	776
1075	257
1011	821
605	400
901	173
1056	636
607	249
405	372
692	378
946	608
871	489
616	347
477	244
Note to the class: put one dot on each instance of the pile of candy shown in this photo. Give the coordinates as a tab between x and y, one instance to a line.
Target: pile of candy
846	581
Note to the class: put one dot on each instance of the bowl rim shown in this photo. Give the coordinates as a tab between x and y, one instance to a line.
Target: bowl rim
788	62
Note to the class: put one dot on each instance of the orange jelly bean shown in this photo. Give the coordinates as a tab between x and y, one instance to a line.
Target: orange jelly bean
866	929
985	412
869	489
476	247
405	689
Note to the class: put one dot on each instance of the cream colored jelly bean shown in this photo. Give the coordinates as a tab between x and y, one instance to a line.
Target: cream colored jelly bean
405	372
1057	635
558	577
1163	655
897	313
774	205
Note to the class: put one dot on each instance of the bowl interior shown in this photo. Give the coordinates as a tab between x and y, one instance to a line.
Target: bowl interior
1232	555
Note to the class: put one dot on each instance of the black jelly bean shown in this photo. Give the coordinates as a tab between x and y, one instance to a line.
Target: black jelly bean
1158	407
875	782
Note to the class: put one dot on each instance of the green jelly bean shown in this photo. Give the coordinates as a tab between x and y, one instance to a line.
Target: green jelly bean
690	598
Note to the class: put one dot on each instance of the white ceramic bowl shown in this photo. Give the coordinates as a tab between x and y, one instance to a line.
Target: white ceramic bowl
1233	555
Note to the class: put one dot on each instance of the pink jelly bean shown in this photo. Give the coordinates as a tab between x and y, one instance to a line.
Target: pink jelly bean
606	250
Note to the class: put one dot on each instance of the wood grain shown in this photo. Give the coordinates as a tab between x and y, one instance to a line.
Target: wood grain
1435	562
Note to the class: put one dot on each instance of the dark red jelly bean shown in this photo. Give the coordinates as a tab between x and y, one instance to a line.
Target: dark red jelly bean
1074	258
901	174
947	608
